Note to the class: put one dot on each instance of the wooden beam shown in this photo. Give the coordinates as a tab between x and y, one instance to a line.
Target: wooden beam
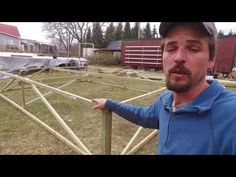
66	70
140	96
228	83
123	87
144	141
101	74
23	94
55	90
61	121
49	93
131	141
7	85
30	87
58	78
43	125
36	73
28	77
140	128
106	131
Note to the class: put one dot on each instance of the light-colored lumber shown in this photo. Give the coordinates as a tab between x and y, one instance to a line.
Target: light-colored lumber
30	76
228	83
131	141
23	94
61	121
36	73
45	126
120	86
101	74
55	90
106	131
140	96
7	85
49	93
141	143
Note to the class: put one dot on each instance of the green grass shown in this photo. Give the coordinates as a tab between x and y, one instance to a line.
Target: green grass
20	135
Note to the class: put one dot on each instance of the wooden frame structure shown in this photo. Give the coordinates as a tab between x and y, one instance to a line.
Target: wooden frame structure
77	145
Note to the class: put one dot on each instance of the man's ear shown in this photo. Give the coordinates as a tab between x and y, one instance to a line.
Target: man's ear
211	63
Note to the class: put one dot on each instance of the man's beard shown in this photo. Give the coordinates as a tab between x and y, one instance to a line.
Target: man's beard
179	88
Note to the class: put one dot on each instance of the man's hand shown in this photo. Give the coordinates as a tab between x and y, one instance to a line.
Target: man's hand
99	103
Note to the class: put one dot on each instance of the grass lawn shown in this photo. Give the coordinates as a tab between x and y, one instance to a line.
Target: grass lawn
20	135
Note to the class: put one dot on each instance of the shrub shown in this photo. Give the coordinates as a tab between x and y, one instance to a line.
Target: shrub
104	59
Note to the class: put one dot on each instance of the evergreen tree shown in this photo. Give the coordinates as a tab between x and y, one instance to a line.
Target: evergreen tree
147	31
127	31
119	31
230	33
109	35
89	36
134	30
97	36
154	32
221	33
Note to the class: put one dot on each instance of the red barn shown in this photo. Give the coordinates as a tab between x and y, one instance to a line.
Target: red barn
226	51
147	54
142	54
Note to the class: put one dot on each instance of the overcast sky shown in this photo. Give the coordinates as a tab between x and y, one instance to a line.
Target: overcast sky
33	30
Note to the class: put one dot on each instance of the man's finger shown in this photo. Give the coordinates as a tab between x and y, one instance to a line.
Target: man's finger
95	107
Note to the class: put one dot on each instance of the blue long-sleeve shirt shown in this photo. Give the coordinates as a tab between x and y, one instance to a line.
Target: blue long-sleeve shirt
207	125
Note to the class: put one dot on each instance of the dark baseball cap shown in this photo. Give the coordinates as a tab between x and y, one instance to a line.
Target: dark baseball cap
209	27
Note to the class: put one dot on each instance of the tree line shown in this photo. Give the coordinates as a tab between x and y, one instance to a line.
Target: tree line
63	34
230	33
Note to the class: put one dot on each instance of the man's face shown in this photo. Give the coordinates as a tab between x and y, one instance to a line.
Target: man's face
185	58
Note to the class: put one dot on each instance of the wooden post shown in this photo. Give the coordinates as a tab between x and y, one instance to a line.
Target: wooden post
106	131
23	94
8	84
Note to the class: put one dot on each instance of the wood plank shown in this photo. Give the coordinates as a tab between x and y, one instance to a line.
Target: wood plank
55	90
143	142
106	131
43	125
61	121
127	147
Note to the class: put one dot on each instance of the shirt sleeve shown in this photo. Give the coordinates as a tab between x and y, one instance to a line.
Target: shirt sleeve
146	117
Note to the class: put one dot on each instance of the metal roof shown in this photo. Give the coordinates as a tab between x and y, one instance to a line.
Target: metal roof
114	45
9	30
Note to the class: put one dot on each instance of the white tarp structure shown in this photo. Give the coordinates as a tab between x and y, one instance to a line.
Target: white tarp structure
11	62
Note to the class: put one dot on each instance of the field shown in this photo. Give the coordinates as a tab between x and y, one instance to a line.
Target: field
20	135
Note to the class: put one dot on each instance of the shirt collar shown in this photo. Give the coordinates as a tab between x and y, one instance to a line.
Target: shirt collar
202	103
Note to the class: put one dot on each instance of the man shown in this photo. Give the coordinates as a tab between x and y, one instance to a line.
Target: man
194	116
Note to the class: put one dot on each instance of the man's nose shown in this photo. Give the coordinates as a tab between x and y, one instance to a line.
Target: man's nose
180	56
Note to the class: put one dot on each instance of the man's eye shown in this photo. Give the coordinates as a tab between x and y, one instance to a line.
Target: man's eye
170	49
194	50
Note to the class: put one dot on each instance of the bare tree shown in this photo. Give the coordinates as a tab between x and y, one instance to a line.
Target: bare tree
67	32
57	32
79	30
